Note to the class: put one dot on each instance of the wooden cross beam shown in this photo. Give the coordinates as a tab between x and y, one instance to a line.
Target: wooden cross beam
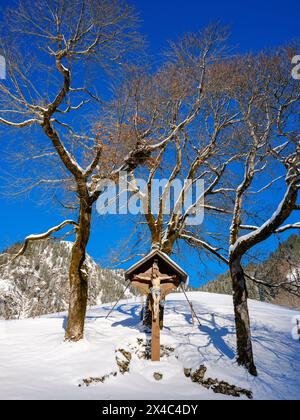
155	342
147	276
146	283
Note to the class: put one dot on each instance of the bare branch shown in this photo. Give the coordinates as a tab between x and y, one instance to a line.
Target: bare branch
205	245
20	124
284	210
216	209
269	285
288	227
269	184
41	236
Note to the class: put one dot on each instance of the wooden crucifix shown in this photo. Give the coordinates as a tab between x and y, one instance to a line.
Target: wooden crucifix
156	276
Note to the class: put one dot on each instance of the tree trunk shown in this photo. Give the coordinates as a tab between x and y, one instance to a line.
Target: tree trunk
147	319
161	316
78	275
242	319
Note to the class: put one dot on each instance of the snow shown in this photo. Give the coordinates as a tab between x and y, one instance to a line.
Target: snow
35	362
5	286
294	275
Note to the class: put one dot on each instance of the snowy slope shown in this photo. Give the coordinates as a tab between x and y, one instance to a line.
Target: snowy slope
35	363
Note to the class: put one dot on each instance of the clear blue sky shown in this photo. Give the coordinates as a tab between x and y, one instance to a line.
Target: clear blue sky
255	25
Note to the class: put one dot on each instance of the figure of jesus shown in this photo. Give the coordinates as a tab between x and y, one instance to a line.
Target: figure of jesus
156	278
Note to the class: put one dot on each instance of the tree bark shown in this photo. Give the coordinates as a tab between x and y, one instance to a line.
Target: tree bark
161	316
242	319
78	275
147	318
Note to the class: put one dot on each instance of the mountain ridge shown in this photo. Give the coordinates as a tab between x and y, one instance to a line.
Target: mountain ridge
283	264
37	283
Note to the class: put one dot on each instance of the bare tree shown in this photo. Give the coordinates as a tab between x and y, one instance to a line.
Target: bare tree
183	103
287	154
254	105
185	85
267	101
66	39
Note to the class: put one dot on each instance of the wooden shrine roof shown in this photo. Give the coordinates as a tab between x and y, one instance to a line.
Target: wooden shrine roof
166	265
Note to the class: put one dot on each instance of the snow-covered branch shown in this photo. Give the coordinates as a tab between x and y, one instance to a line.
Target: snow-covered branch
271	226
288	227
44	235
21	124
93	165
49	182
249	227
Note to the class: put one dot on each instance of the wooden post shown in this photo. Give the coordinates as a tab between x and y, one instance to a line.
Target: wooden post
155	344
151	282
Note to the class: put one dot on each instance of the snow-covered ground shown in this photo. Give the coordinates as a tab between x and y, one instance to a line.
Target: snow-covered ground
35	362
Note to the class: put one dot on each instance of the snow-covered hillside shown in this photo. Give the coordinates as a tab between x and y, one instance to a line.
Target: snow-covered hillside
280	267
35	362
37	283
